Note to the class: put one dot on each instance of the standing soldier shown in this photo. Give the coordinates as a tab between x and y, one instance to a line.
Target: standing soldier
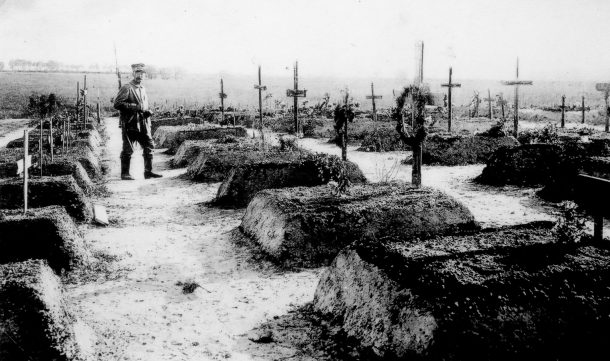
132	103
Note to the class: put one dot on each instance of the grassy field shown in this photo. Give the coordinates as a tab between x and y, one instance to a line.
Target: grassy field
15	88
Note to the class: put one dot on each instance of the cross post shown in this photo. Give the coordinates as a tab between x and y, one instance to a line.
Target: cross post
450	85
605	88
222	97
563	111
373	97
26	140
295	94
260	88
583	109
516	83
488	100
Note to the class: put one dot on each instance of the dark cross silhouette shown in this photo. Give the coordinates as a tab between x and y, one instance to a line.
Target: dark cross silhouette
222	97
295	94
260	89
373	97
605	88
450	85
583	109
563	111
489	99
516	83
502	103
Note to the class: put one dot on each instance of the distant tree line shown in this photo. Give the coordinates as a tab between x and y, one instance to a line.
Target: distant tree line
153	72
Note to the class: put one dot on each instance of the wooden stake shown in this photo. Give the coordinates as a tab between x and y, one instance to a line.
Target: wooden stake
516	83
373	97
51	140
26	140
260	88
295	94
489	99
563	111
583	109
449	86
40	145
222	96
85	103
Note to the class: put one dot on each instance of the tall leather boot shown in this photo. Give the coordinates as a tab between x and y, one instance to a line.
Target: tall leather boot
125	162
148	173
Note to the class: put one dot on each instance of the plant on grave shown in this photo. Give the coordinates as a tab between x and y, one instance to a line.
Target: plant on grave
331	169
288	144
570	226
547	135
342	115
420	97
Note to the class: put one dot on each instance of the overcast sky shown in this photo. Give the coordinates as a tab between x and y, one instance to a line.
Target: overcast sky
481	39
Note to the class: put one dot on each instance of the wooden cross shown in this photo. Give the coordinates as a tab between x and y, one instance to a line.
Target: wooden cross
116	63
260	88
222	97
516	83
502	103
583	109
450	85
84	91
605	87
295	94
563	111
488	100
373	97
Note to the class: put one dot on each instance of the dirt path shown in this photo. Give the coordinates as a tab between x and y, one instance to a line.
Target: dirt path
11	129
161	235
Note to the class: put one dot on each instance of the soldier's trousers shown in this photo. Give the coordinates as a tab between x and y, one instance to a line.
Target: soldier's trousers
133	137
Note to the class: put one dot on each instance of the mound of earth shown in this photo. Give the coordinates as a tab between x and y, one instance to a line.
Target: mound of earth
43	233
162	122
528	164
215	160
34	319
172	137
507	293
47	191
309	226
266	170
65	167
189	150
451	149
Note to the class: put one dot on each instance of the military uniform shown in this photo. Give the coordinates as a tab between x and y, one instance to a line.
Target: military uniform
132	103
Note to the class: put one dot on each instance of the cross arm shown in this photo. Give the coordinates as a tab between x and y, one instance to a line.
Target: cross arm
518	82
452	85
374	96
260	87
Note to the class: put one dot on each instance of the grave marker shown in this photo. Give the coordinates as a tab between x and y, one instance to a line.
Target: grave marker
516	83
373	97
27	161
488	100
563	111
260	89
583	109
296	93
449	86
594	193
222	97
605	88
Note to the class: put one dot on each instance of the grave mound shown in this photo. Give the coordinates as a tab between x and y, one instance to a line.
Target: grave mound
65	167
215	161
507	293
162	122
266	170
451	149
35	321
44	233
528	164
310	225
171	137
189	150
47	191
